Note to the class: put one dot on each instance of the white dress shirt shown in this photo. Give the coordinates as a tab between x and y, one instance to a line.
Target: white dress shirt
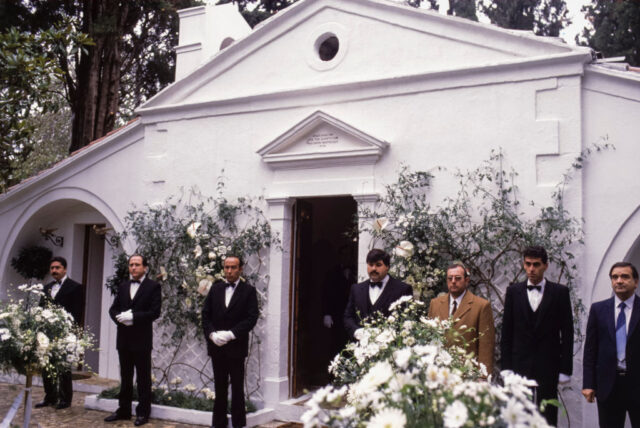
57	286
627	312
375	292
457	299
133	289
228	292
535	296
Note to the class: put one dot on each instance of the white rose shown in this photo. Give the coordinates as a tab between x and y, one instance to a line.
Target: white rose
404	249
197	252
192	230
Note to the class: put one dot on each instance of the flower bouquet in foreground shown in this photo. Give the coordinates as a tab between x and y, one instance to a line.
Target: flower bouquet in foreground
34	339
401	374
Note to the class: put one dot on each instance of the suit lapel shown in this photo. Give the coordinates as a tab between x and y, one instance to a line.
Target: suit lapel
141	289
635	316
609	316
465	305
547	298
385	295
523	298
126	298
442	307
236	294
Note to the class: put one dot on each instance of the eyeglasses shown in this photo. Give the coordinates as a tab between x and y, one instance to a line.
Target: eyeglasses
457	278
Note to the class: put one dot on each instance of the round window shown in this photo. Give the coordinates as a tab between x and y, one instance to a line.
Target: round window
328	48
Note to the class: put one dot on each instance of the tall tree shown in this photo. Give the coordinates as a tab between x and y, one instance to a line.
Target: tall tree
543	17
616	29
130	59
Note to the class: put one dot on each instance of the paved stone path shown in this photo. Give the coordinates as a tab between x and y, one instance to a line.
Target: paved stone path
77	416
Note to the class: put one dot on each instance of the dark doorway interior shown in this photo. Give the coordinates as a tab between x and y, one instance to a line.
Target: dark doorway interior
92	279
325	264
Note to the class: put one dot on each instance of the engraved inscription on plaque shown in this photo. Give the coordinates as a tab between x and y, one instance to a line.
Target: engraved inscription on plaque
323	139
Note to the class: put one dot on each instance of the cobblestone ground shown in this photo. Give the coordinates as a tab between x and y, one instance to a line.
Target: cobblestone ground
78	416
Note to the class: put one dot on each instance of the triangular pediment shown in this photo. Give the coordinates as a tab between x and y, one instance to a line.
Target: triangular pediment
375	39
322	140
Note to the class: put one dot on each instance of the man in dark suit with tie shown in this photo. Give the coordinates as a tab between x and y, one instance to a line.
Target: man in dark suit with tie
373	295
68	294
611	363
229	313
537	330
136	305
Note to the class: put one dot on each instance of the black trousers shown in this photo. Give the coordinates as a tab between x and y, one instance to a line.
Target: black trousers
548	391
225	369
141	361
58	387
623	398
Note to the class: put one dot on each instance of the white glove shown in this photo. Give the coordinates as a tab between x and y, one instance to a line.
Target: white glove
564	379
358	334
227	335
217	339
328	321
125	318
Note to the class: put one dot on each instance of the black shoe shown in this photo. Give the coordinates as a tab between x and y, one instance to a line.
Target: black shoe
141	420
62	405
44	403
115	416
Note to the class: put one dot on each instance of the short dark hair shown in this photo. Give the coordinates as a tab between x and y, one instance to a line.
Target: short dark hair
60	260
377	254
536	252
145	263
455	265
634	271
235	256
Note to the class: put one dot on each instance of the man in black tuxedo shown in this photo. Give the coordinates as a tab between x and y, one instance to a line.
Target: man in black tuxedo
537	330
68	294
373	295
229	312
611	364
136	305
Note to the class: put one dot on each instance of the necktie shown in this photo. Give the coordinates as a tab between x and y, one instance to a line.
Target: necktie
376	284
534	287
621	333
455	307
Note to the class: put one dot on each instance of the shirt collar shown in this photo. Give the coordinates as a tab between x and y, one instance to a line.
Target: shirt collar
628	303
457	299
64	278
541	283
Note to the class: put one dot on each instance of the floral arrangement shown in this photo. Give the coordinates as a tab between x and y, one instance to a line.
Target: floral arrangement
401	374
34	339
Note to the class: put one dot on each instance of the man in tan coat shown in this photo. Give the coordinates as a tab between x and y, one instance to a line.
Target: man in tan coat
472	314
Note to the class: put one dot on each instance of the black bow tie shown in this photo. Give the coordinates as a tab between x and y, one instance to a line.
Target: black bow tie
534	287
231	284
376	284
135	282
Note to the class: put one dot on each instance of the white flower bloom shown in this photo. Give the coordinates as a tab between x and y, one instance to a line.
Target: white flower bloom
176	380
211	255
197	252
5	334
380	224
513	413
401	357
385	337
204	286
192	230
43	342
455	415
388	418
404	249
189	387
163	273
400	301
209	394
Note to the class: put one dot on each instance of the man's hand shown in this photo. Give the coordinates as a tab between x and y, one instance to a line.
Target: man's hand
217	339
589	395
227	335
327	321
125	318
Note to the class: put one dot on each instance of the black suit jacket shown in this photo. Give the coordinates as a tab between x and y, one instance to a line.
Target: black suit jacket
239	317
359	305
145	306
542	349
600	354
70	297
